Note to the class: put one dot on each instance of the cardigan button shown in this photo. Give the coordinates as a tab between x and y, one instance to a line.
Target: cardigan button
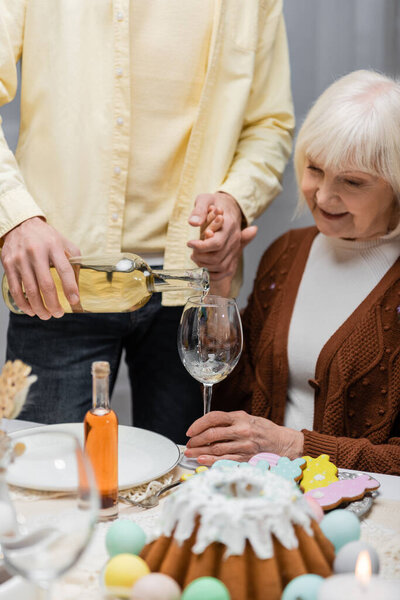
368	423
365	381
386	327
314	384
383	391
388	351
352	394
381	411
382	368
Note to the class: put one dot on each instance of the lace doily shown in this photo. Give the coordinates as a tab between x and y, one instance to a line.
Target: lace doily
137	493
387	544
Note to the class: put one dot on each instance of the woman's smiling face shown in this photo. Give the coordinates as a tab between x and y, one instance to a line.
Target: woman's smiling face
348	203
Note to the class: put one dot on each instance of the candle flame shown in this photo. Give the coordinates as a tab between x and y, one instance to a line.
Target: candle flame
363	568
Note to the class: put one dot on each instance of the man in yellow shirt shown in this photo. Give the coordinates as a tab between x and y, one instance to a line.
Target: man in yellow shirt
135	117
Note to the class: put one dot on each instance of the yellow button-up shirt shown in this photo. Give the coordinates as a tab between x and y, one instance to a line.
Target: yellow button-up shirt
72	158
166	86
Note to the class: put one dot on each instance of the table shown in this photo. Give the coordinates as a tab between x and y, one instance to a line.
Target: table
380	528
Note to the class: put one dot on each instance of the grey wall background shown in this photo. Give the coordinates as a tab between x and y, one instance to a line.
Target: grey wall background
327	38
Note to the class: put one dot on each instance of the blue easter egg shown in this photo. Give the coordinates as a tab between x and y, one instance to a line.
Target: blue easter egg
124	537
304	587
341	527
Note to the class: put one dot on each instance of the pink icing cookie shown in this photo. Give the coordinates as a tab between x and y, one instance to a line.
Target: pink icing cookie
290	469
318	473
344	490
272	459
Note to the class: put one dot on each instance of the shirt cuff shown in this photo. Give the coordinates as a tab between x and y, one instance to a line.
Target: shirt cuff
16	206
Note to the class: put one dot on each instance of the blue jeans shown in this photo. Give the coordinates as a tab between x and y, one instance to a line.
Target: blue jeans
165	398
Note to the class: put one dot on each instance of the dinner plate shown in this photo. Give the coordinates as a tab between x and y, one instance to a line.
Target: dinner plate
142	456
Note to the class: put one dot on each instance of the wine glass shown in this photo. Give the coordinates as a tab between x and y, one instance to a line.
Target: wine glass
50	536
210	340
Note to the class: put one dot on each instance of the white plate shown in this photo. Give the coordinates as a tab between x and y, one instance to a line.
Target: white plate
142	457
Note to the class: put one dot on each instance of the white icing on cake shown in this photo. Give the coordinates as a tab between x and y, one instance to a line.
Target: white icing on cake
233	506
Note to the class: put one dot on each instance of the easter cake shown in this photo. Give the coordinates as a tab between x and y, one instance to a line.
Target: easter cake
248	527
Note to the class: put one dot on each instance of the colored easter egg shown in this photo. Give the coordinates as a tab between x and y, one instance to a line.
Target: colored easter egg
156	586
123	537
304	587
341	527
346	558
316	508
186	476
123	570
201	469
206	587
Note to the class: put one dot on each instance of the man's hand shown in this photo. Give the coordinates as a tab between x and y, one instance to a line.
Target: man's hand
239	436
28	251
221	252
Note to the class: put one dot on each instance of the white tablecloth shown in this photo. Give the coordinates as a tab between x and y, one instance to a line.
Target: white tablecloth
381	528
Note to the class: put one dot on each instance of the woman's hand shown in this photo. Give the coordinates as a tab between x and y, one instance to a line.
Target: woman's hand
238	436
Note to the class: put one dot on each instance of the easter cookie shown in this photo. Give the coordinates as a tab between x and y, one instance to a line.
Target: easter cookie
290	469
345	490
272	459
318	473
224	464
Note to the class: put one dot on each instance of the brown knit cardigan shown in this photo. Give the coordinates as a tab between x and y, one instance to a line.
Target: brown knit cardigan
357	375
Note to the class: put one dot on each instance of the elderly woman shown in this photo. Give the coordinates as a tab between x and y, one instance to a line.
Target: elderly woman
320	371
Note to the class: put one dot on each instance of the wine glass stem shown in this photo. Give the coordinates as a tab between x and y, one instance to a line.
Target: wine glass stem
43	591
207	393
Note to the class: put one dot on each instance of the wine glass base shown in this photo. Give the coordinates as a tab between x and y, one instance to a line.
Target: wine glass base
189	463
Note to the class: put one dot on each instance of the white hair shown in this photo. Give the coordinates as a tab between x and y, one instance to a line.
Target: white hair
354	124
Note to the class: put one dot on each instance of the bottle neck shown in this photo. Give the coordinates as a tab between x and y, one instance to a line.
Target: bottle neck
101	398
179	279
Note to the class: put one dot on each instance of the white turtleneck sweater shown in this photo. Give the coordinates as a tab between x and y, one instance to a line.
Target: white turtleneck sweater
339	274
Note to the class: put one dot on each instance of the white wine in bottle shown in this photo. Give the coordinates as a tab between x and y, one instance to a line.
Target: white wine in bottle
118	283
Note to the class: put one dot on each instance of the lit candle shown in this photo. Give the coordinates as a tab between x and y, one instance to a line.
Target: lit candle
362	586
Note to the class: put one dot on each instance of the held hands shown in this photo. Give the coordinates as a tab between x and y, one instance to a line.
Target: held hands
238	436
28	251
220	252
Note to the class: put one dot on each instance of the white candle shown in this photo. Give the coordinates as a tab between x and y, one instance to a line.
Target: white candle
348	587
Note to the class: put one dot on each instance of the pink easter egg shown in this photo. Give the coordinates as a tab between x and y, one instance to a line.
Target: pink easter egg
316	508
156	586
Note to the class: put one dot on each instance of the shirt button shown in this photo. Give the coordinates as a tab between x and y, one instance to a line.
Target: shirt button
120	121
117	171
119	72
114	216
120	16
